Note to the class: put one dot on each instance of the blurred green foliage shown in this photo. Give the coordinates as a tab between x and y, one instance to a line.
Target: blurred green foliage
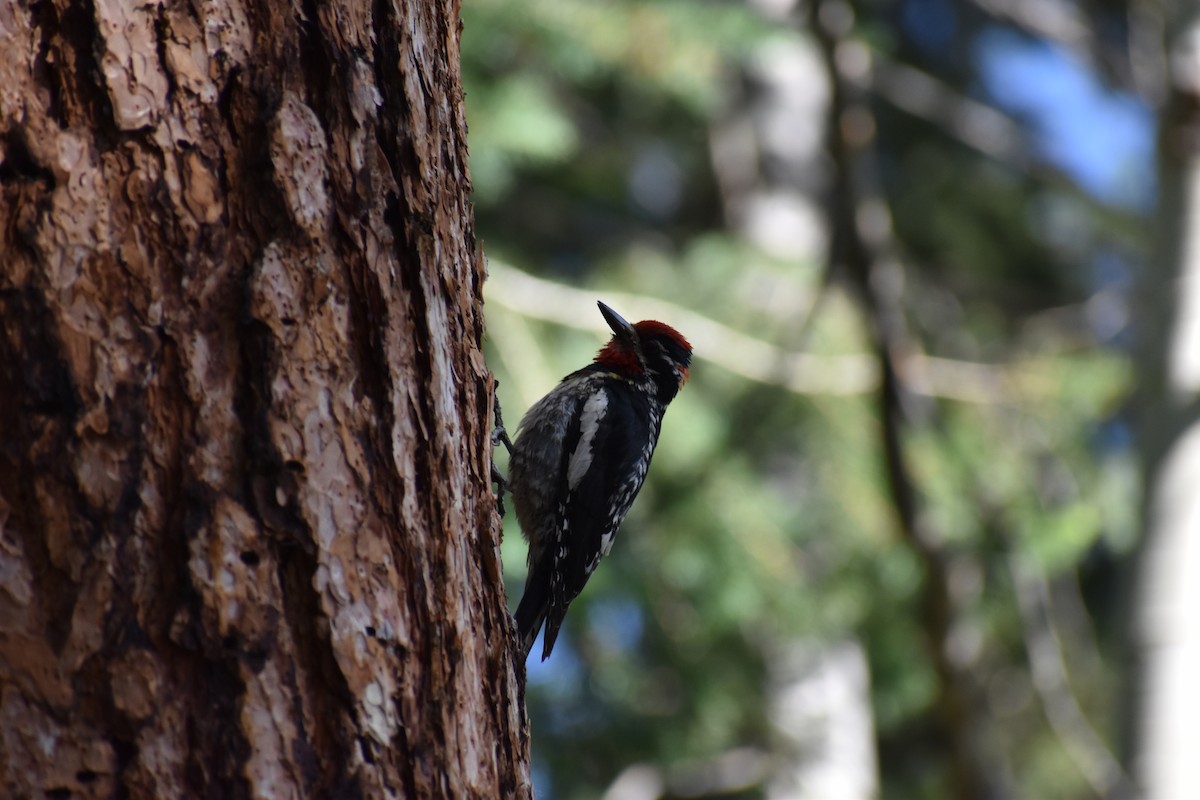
767	518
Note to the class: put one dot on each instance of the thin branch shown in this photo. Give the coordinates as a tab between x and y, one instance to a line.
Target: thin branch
1048	670
1066	24
975	124
1055	20
760	361
743	355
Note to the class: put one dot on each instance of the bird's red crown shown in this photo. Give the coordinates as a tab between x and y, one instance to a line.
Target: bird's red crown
619	354
648	328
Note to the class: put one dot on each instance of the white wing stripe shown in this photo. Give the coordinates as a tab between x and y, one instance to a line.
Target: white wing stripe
589	423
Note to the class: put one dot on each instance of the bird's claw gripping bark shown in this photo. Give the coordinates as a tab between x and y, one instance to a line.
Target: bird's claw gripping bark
501	488
499	436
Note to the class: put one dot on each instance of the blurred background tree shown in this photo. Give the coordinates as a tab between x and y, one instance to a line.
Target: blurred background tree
888	543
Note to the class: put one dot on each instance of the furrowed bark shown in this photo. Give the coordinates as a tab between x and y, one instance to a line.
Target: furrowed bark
247	540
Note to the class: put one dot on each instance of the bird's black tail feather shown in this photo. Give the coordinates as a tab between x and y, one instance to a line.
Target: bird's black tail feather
539	606
531	611
554	621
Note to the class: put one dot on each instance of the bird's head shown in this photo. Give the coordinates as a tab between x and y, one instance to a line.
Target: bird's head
647	348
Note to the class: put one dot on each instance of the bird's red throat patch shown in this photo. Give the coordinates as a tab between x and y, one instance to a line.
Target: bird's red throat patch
619	357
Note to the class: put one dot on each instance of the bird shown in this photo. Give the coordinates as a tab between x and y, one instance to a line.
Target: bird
580	458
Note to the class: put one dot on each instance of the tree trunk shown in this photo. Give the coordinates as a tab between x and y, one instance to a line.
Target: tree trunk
1166	631
247	540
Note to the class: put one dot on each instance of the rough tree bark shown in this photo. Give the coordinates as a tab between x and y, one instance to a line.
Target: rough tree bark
247	542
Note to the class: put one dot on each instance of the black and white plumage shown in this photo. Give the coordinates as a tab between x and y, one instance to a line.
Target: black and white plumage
581	455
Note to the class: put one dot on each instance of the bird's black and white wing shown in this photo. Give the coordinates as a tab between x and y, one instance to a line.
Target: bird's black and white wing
608	457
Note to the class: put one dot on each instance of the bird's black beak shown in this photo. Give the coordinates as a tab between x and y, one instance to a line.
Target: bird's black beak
618	324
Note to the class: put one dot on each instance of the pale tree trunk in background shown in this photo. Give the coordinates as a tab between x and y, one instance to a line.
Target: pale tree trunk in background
821	720
1166	620
247	541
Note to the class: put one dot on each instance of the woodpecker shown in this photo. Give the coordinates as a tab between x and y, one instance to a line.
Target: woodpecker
581	455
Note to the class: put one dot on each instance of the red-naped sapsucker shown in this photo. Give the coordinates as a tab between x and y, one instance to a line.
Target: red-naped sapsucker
581	455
